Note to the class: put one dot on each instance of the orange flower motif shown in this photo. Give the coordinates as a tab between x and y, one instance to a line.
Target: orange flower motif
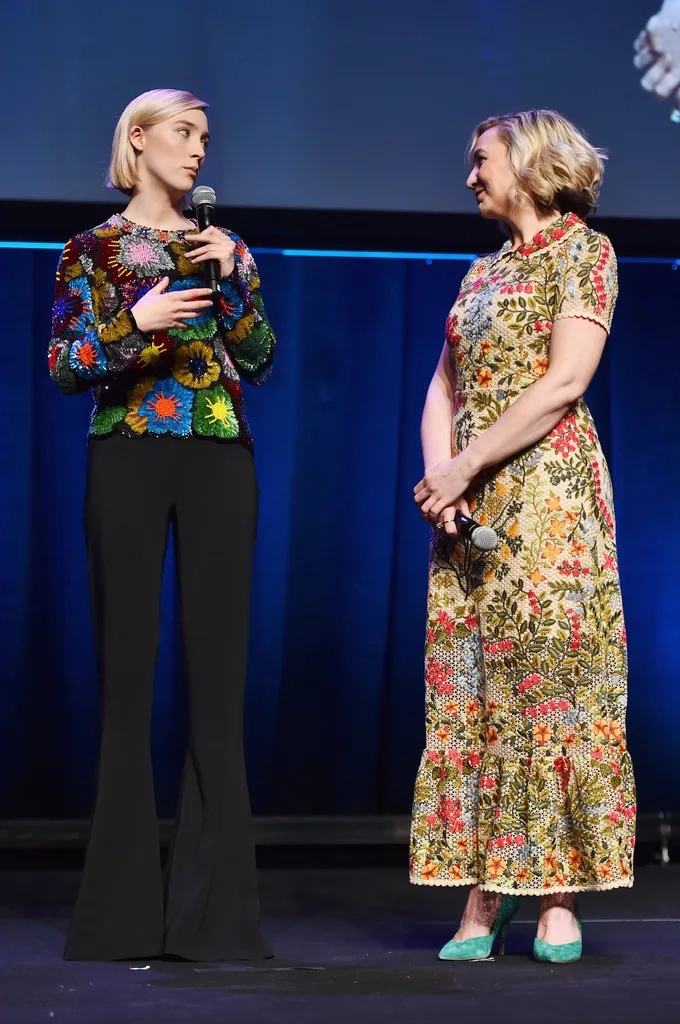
615	734
569	739
547	883
451	708
484	377
553	504
495	867
601	729
536	577
505	552
491	707
551	552
492	736
513	529
606	871
578	547
462	845
560	879
485	348
455	872
501	490
443	734
540	365
557	528
489	575
522	875
551	861
429	871
625	871
571	518
575	860
542	733
472	708
482	519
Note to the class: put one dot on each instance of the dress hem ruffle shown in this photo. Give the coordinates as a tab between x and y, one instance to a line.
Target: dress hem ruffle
505	890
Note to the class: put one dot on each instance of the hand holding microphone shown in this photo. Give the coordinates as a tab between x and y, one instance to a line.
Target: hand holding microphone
216	249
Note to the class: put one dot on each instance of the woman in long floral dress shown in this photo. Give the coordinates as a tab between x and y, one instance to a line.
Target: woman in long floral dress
526	785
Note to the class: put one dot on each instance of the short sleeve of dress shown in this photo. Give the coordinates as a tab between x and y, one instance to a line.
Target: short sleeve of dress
587	280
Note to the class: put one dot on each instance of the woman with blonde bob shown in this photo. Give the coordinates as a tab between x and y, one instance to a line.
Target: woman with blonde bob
168	444
526	785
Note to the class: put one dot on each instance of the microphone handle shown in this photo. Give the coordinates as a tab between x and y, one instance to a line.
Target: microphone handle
211	268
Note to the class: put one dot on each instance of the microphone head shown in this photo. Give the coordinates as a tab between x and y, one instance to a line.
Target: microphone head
203	195
484	538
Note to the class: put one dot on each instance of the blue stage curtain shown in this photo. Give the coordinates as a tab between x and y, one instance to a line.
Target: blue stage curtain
335	704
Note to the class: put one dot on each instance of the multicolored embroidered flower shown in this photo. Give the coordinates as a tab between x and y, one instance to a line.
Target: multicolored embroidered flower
87	358
195	365
144	257
168	409
104	420
73	311
231	305
214	414
138	393
202	326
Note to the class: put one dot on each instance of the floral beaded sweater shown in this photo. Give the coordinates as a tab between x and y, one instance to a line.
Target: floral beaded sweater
182	382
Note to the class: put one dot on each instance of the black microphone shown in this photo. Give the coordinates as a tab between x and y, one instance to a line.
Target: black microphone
481	537
204	201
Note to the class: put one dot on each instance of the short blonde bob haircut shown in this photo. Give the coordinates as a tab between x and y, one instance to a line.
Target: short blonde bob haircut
145	110
555	166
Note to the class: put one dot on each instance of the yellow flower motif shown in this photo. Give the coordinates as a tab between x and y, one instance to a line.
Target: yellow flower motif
540	365
542	733
151	354
495	867
443	734
536	576
556	528
429	871
136	397
505	552
489	575
195	365
501	490
571	518
553	504
615	733
455	872
551	552
513	529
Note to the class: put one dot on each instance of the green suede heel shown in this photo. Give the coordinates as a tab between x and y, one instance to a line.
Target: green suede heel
565	953
481	948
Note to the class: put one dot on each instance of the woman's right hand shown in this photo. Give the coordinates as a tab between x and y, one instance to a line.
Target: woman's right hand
159	309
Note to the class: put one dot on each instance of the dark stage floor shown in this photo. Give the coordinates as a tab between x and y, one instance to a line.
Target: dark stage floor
353	945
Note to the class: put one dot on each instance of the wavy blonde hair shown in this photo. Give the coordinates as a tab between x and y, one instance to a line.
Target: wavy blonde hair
555	166
143	111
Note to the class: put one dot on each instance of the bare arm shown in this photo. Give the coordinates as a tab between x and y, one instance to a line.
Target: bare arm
436	423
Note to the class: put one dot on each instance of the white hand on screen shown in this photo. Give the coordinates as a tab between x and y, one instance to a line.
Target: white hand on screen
657	49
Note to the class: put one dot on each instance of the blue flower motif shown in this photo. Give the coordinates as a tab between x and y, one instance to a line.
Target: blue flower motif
87	358
182	285
232	305
168	408
73	312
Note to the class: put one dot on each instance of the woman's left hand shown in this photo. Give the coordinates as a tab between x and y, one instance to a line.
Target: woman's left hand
442	486
214	245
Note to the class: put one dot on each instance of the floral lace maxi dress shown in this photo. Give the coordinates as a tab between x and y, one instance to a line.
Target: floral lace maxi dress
526	784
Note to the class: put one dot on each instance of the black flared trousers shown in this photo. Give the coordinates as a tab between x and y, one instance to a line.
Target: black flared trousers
208	907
